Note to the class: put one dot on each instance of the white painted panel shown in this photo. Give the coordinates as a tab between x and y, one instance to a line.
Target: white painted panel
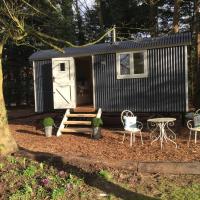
63	83
34	80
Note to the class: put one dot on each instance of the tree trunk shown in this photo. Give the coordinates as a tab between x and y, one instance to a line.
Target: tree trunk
18	87
196	61
99	10
7	142
152	18
176	15
81	37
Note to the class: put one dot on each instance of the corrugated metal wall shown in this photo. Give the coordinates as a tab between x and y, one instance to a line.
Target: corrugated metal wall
39	85
163	91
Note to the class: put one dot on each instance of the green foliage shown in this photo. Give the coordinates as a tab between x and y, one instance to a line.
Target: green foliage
23	193
58	193
41	166
97	122
41	193
30	171
105	175
73	180
50	183
34	180
12	159
184	193
1	166
48	121
2	146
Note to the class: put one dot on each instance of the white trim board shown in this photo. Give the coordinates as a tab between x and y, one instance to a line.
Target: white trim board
186	79
93	83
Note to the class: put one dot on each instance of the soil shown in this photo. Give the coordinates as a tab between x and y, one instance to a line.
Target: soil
26	129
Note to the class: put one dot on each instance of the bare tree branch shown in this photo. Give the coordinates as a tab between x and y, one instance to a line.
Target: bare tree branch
47	37
34	8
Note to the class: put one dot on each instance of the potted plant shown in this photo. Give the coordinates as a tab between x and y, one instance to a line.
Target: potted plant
96	124
48	123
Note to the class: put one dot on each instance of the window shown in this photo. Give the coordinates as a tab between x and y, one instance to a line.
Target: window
132	65
62	66
124	64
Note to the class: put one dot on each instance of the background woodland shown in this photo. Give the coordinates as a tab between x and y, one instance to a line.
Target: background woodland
79	22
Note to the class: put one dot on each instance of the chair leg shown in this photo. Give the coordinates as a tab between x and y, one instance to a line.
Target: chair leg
150	136
134	137
131	139
123	137
141	137
189	138
195	140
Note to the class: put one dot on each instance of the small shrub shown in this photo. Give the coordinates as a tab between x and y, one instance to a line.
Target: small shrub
58	193
2	146
186	193
24	193
73	181
11	159
2	166
28	179
30	171
105	175
48	121
41	193
97	122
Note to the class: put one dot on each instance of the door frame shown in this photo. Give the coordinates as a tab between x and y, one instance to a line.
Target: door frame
61	59
93	79
93	82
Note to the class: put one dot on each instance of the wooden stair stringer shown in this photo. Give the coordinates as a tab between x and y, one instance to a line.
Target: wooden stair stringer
62	125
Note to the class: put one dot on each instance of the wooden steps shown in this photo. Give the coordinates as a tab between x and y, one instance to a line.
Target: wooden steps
76	130
85	109
77	123
72	120
81	115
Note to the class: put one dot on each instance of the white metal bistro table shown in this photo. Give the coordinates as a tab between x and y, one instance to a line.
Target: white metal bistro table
163	125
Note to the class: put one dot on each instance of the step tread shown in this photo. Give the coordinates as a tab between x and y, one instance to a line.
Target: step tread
77	123
81	115
84	110
76	130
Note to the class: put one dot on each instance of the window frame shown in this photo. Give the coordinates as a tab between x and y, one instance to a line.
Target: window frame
131	75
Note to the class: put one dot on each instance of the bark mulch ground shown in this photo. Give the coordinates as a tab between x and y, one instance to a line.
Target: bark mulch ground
109	148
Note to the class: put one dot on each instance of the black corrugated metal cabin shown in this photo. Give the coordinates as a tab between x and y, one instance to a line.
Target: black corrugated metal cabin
148	75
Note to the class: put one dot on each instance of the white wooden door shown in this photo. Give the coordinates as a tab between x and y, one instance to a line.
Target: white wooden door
64	91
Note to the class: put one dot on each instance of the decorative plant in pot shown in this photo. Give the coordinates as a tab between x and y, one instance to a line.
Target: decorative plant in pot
96	124
48	123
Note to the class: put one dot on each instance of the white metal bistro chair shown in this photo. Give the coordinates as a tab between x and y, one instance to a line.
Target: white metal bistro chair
131	126
191	126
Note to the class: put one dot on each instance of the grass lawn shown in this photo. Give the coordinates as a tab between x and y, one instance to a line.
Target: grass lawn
24	179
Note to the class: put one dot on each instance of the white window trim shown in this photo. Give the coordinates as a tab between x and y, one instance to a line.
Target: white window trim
131	75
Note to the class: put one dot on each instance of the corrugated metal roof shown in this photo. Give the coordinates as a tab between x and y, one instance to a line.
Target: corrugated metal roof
147	43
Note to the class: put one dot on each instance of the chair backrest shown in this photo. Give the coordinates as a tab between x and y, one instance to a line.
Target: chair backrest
126	113
197	112
196	118
190	124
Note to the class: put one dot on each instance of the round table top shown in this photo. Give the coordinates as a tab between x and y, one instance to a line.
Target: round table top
162	119
195	129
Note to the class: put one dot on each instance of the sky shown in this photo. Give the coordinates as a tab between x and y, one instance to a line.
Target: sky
89	2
